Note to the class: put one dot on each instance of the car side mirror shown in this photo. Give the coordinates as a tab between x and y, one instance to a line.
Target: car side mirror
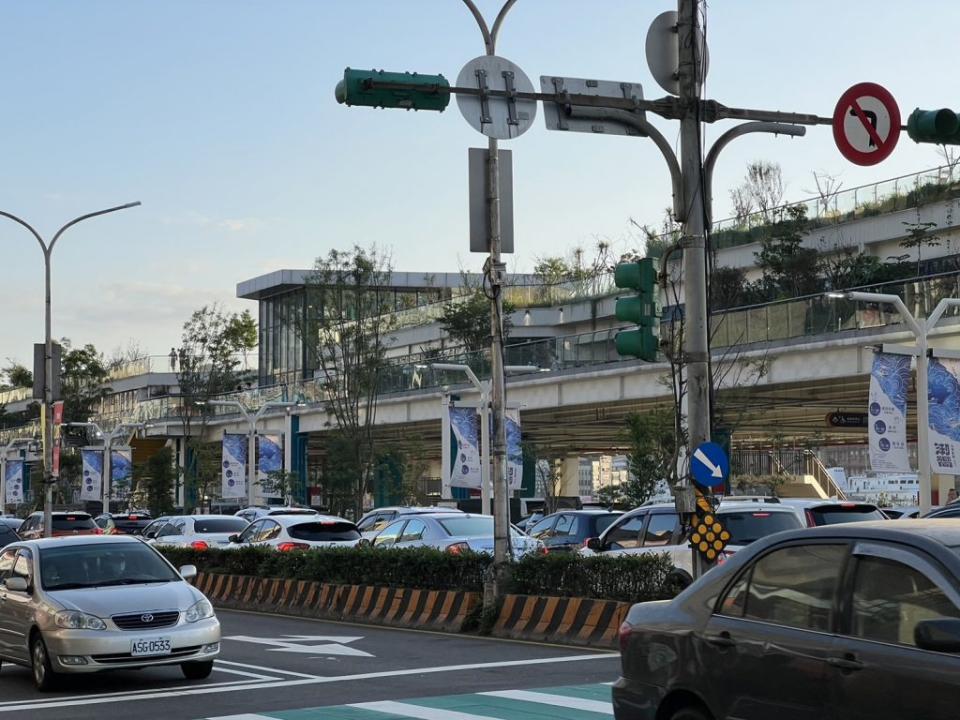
938	635
364	543
188	572
235	538
594	544
16	584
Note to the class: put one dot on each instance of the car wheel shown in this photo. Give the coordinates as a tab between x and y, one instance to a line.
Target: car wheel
690	713
44	678
197	670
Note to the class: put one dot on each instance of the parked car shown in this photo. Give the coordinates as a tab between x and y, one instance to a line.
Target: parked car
836	621
7	535
453	532
298	532
63	523
377	519
525	523
657	528
14	523
200	532
142	612
131	523
150	531
831	512
910	512
947	511
568	530
256	512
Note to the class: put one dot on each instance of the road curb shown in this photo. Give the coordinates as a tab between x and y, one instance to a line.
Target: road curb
568	620
402	607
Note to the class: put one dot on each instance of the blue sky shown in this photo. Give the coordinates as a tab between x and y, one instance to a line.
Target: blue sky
219	116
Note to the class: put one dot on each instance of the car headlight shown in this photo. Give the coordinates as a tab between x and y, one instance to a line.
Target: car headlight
76	620
200	610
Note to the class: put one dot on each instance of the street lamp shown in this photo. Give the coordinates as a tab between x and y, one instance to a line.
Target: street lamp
921	330
47	249
121	430
252	420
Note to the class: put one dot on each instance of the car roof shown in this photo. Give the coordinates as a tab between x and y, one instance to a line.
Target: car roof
585	511
816	502
41	543
288	520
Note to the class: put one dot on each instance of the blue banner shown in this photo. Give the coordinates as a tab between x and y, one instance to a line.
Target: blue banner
13	480
234	465
943	393
269	460
889	380
91	487
121	472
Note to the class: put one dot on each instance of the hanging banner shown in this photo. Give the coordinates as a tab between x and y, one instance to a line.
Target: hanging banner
889	380
943	394
91	487
234	464
464	460
514	450
121	472
14	482
269	460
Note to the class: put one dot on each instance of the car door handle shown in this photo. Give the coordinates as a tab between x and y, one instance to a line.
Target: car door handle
722	639
848	662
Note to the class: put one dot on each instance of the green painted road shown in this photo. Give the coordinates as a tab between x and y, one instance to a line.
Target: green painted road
574	702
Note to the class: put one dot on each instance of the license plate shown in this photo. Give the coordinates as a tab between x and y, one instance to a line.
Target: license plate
150	646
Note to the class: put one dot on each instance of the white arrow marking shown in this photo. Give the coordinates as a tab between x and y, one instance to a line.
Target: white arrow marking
290	643
702	457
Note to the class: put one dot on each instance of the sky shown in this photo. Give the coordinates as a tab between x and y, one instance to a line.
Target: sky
219	116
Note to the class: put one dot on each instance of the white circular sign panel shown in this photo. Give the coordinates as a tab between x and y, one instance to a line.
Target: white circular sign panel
498	73
856	132
663	51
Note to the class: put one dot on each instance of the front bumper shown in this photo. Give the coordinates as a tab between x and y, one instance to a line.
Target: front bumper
97	650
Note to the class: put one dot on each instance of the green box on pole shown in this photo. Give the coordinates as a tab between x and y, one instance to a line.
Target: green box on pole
941	127
643	309
407	91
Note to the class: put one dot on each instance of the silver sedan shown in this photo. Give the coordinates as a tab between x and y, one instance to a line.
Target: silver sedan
87	604
452	532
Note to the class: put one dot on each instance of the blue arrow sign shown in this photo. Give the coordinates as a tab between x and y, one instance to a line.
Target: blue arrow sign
709	466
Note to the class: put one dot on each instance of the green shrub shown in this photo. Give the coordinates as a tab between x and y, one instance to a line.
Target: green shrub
631	578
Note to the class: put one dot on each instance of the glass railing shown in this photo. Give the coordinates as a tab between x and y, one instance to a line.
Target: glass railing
165	364
15	395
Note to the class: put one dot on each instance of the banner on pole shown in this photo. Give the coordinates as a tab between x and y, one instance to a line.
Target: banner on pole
91	487
121	472
889	380
234	464
14	482
463	466
943	394
514	449
269	460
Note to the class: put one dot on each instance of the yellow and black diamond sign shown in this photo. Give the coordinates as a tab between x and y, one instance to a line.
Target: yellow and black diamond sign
709	536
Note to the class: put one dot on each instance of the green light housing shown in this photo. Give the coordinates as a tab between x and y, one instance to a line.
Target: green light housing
378	88
642	309
941	127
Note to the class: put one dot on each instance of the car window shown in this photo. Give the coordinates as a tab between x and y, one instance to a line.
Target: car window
565	526
541	529
23	565
734	602
843	513
660	529
795	586
389	535
101	522
6	563
219	525
7	535
413	531
269	529
69	523
890	598
168	530
626	534
250	533
603	522
323	531
747	526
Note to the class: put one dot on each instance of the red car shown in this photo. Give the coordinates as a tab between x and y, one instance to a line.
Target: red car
64	523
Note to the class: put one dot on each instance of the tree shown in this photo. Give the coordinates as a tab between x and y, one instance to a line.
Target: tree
762	188
280	483
132	353
241	333
467	321
346	328
920	235
848	268
827	187
728	287
789	269
155	480
652	441
17	375
83	379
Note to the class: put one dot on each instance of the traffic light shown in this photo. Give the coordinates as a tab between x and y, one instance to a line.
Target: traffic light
378	88
934	126
644	309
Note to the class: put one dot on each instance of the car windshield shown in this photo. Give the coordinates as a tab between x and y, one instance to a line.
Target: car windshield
327	531
102	564
73	522
836	514
747	526
220	525
605	521
481	526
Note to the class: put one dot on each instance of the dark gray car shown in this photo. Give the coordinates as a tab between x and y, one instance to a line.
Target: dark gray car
857	621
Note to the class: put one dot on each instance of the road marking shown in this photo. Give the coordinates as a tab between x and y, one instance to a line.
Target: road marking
244	673
596	706
243	685
418	711
273	670
245	716
292	644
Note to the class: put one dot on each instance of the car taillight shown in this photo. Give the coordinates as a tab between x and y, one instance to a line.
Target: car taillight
624	636
811	520
98	531
199	545
288	546
458	548
761	514
586	540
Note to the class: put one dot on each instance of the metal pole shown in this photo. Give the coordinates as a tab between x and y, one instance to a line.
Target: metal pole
923	425
485	485
251	455
107	477
47	400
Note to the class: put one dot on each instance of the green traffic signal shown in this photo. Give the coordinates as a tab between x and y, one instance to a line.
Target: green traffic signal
378	88
934	126
642	343
642	309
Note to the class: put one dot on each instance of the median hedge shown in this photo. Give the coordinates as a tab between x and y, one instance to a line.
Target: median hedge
633	578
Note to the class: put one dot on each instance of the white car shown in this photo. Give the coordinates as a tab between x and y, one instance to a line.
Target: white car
378	518
657	528
255	512
297	532
201	532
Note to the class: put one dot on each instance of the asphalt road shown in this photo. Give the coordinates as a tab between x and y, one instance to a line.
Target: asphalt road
271	663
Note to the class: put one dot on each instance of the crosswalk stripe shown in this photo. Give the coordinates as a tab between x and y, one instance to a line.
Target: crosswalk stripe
596	706
418	711
245	716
